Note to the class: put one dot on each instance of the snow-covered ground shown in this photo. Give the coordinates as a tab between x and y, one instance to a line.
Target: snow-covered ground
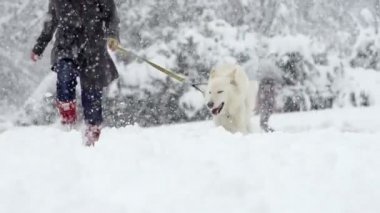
325	161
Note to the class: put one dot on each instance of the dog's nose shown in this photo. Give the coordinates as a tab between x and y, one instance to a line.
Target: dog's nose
210	104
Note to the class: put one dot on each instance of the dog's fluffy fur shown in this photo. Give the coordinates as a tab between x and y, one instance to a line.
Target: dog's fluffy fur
230	97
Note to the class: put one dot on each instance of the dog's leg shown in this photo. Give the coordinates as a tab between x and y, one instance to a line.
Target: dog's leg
241	121
266	102
247	116
217	121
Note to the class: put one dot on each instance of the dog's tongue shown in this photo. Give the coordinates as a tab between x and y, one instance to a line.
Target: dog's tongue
217	110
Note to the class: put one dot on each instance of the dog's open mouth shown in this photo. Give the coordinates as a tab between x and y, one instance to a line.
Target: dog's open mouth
217	110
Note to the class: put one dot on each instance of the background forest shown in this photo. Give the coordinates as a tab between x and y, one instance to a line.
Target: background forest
327	52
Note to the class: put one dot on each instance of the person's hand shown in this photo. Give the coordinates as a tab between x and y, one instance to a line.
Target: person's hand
34	57
112	43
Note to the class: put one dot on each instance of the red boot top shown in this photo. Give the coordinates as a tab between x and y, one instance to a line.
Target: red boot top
91	135
68	112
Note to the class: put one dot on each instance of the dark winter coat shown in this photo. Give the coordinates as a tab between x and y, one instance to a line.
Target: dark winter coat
81	30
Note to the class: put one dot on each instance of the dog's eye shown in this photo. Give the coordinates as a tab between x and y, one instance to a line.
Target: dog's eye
219	92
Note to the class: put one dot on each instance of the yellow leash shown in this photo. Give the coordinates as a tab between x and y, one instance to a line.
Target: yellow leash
168	72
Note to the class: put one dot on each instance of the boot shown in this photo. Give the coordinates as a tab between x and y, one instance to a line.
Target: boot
91	135
67	112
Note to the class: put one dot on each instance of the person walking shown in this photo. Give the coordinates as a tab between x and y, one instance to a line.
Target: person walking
83	29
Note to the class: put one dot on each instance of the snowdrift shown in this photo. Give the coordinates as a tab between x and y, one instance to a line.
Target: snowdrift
325	161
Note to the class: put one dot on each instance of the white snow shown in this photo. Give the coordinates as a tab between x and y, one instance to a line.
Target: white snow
367	16
305	45
325	161
191	102
366	81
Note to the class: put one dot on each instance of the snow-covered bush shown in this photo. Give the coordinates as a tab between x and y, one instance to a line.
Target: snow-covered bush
366	52
308	75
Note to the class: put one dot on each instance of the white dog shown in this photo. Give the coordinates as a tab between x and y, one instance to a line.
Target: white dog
231	98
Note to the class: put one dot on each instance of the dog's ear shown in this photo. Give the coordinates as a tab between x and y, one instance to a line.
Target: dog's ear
232	77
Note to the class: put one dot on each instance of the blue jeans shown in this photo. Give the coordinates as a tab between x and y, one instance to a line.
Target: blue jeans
67	73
